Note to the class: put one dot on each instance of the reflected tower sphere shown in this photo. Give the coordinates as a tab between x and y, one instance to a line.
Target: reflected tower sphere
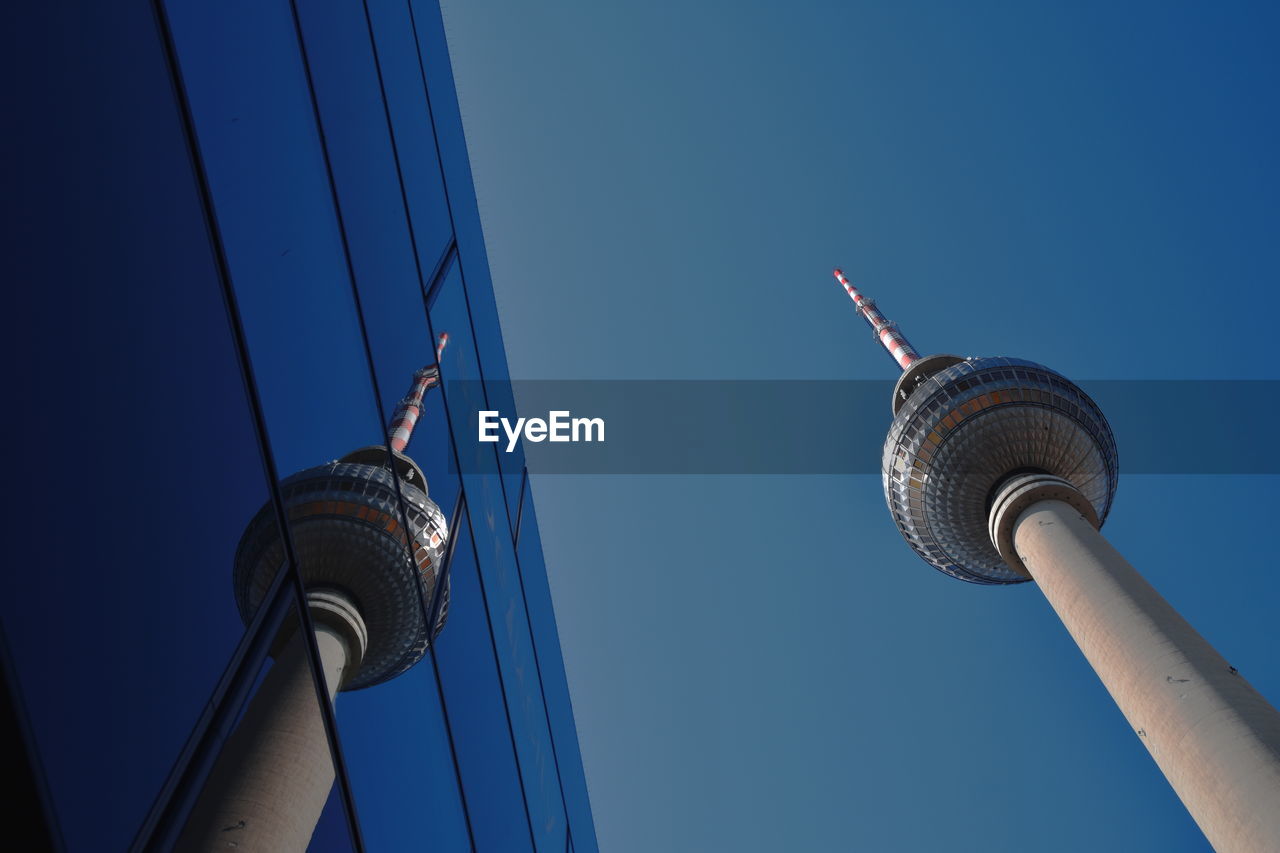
369	545
1002	471
350	539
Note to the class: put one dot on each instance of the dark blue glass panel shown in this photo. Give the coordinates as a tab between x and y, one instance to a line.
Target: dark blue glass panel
474	262
555	687
333	833
477	711
432	450
316	377
463	393
134	446
363	155
254	119
501	585
373	207
156	403
520	673
400	765
401	769
411	124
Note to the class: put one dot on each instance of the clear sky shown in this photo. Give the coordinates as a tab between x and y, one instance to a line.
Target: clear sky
761	663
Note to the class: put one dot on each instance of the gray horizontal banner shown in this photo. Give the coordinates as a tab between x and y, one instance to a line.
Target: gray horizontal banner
825	426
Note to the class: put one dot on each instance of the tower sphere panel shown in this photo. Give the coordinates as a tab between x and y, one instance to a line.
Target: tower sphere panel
349	534
967	428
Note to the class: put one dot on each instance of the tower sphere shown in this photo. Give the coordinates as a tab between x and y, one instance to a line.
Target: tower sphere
961	429
349	535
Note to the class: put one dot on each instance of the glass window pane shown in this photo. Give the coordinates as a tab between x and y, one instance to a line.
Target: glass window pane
555	686
333	833
411	123
521	675
460	370
476	707
267	171
366	173
500	580
137	444
401	765
474	261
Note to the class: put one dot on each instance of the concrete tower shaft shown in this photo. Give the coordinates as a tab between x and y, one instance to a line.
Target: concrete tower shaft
1214	737
998	471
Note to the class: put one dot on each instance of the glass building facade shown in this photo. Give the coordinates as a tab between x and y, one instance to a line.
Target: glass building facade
236	229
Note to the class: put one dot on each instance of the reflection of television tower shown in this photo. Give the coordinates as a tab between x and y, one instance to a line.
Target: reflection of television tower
999	471
371	576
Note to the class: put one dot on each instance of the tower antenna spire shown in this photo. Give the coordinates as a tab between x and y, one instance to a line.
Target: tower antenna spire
894	342
409	409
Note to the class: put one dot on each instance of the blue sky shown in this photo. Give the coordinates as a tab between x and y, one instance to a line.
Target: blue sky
760	663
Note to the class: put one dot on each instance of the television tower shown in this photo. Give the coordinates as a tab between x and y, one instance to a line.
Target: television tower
999	471
371	576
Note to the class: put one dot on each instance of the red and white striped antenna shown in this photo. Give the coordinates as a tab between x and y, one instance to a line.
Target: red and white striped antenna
409	409
894	342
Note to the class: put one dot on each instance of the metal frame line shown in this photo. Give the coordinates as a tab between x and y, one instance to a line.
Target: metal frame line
218	248
449	253
501	478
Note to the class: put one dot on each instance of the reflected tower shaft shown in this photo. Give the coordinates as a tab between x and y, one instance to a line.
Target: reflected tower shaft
369	545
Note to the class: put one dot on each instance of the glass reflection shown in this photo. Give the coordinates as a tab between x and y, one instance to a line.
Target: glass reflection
498	582
135	439
333	831
414	135
402	765
551	670
476	705
123	632
388	249
274	773
269	177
